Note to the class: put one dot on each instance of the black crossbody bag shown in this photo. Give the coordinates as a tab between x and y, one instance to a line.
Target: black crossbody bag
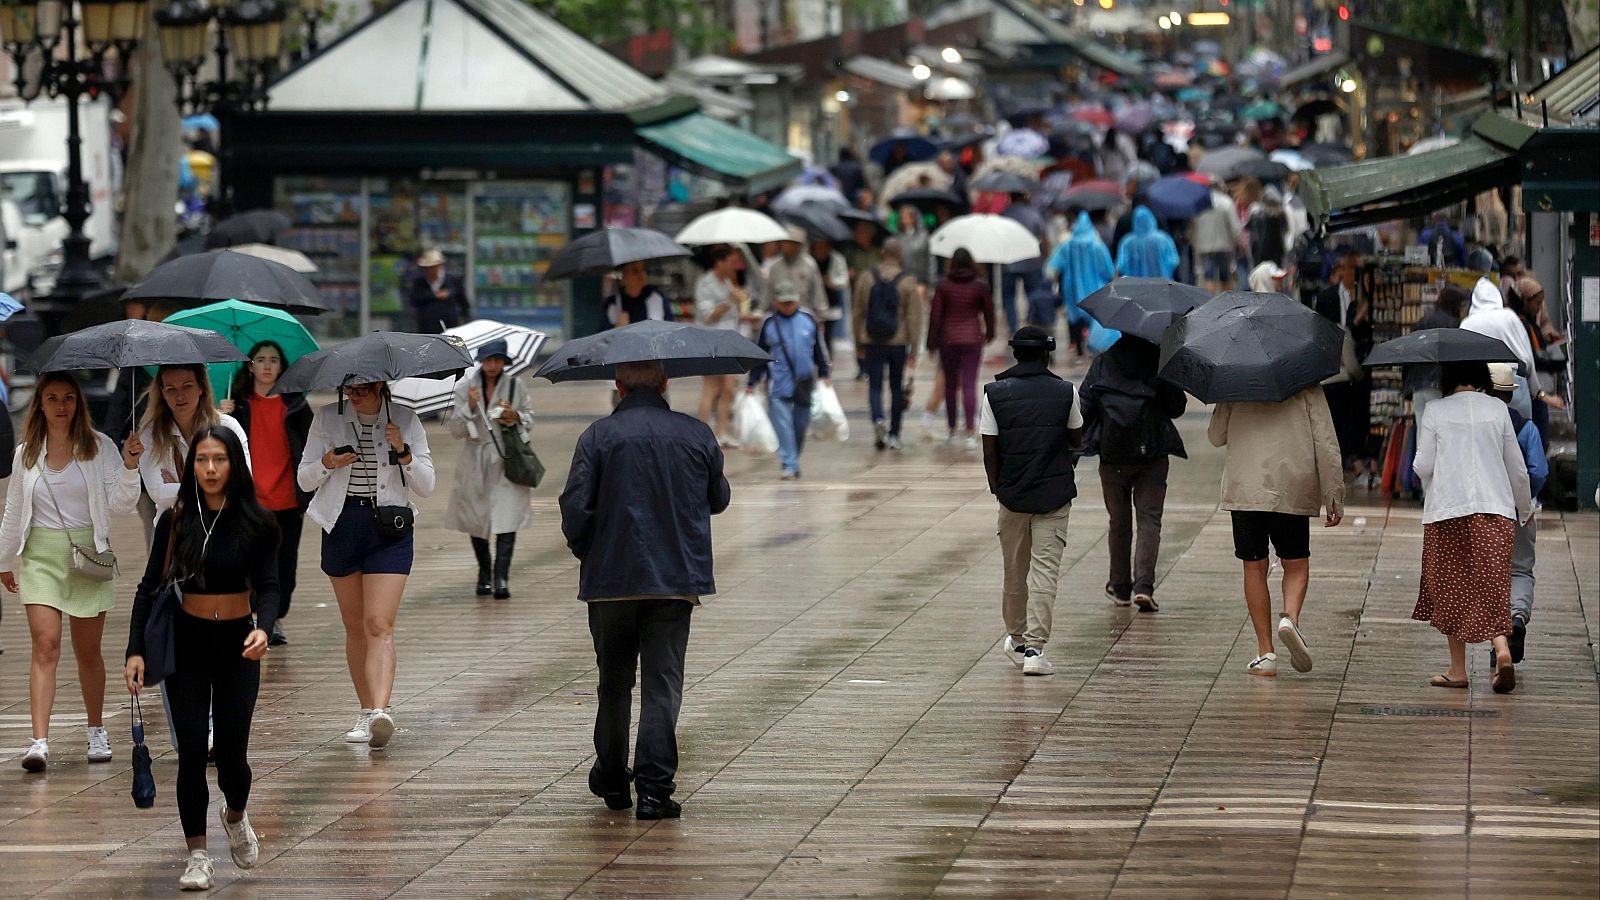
390	522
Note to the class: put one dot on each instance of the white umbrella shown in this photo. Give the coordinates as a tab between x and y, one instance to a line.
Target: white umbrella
1292	160
950	88
429	395
732	225
294	259
989	238
793	197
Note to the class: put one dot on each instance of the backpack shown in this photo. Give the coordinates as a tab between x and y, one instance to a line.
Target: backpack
1130	431
883	307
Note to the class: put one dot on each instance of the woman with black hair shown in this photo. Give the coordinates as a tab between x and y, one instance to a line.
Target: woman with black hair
220	546
491	409
277	426
365	456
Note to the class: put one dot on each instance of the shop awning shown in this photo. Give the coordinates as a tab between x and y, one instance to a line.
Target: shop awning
885	73
1398	187
721	151
1574	92
1322	65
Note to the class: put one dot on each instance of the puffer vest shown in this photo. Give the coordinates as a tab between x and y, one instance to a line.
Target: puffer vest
1031	405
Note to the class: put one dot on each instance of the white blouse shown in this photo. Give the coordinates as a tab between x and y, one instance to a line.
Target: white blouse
63	500
1469	461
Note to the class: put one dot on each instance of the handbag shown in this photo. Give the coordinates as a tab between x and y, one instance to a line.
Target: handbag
84	561
160	654
522	465
391	522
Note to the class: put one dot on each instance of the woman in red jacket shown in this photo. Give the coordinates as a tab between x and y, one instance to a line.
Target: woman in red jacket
959	325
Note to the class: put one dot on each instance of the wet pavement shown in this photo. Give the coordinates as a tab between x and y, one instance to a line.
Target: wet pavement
850	728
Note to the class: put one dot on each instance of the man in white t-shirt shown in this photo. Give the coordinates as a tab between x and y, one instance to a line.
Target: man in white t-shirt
1031	425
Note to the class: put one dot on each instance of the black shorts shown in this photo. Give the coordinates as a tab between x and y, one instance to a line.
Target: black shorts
1290	535
354	547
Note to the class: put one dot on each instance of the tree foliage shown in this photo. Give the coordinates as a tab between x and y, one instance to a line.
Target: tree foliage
692	22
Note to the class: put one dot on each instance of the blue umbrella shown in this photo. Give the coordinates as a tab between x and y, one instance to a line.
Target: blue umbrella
144	781
9	306
1178	198
201	122
918	148
818	175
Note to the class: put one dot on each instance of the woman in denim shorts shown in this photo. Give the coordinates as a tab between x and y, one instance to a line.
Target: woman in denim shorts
364	454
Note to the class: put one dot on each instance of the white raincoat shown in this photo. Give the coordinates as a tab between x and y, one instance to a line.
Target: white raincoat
482	502
1489	316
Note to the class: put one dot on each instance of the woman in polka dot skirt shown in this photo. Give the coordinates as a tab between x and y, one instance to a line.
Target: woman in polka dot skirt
1476	490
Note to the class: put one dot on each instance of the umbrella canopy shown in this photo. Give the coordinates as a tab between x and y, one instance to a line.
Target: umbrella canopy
683	350
1327	154
244	325
1261	109
1023	142
1081	197
793	197
912	176
817	175
225	275
133	342
430	395
9	306
1222	161
1292	160
1245	347
1177	198
1004	182
1095	115
1261	169
1142	307
950	88
294	259
379	356
918	148
928	200
144	780
820	220
732	225
1135	116
611	248
989	238
256	226
1440	345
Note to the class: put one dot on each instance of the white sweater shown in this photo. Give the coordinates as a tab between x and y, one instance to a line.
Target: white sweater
112	488
1469	460
331	429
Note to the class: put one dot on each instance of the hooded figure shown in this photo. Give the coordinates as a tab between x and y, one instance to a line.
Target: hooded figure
1148	252
1083	264
1489	316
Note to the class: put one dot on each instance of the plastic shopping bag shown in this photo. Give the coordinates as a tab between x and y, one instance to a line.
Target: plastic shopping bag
751	425
827	415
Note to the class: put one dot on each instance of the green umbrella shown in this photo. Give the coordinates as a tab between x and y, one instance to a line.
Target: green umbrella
1261	109
245	325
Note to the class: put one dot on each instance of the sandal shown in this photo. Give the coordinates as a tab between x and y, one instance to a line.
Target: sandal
1505	677
1441	681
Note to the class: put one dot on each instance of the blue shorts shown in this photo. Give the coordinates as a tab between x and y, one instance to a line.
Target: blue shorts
353	547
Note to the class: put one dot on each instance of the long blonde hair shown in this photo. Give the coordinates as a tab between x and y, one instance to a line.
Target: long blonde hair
158	416
85	443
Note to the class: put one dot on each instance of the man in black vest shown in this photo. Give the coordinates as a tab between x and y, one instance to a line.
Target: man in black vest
1031	424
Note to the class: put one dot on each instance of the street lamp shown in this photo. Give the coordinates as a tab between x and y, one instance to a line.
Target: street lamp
43	36
248	31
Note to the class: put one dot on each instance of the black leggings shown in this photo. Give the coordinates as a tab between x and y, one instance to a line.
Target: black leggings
290	523
211	675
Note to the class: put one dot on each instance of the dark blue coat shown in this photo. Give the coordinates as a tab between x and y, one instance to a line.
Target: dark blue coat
644	484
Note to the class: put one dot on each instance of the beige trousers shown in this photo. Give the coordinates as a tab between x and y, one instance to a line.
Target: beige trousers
1031	546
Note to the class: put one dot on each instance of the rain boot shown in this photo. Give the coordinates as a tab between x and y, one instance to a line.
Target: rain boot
480	548
503	543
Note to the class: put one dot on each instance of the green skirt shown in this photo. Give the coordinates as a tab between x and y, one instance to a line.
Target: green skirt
46	576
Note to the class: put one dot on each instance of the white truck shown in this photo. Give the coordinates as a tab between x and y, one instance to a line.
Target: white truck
33	187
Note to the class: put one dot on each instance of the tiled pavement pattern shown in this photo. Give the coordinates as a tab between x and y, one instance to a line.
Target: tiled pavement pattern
850	729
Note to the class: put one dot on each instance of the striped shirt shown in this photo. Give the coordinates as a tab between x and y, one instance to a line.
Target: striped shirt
364	471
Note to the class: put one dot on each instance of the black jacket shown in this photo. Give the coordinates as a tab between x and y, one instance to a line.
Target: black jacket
1122	381
297	417
1031	405
644	484
435	315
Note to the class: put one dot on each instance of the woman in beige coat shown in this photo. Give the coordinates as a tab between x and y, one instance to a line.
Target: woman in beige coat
1282	469
484	503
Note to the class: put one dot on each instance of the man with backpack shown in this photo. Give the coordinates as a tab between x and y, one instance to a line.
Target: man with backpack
1128	415
886	318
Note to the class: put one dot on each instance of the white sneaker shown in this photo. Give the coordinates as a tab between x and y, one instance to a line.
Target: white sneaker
99	744
1034	663
362	732
1266	665
970	442
197	871
1015	651
382	726
37	757
1299	650
242	843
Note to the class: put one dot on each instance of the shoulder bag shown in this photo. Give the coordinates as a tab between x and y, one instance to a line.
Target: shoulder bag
85	561
391	522
160	654
522	465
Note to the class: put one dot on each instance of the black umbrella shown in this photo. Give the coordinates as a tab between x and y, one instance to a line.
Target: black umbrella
1142	307
379	356
851	216
820	220
1326	154
1244	347
256	226
1440	345
610	248
144	780
683	350
1089	199
1003	182
220	275
133	342
1261	169
928	200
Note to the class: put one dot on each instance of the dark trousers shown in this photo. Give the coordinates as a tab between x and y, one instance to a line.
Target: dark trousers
960	364
878	358
290	523
652	635
1030	281
1134	491
211	675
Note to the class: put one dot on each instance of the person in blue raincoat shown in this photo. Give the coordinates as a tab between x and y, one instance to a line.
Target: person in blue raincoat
1084	266
1148	252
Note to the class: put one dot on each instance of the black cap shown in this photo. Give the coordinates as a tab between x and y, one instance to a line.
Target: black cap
1032	337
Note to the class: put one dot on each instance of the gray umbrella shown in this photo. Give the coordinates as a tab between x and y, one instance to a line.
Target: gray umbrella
819	220
610	248
1142	307
1002	181
683	350
256	226
1243	346
1440	345
1223	161
223	275
379	356
133	342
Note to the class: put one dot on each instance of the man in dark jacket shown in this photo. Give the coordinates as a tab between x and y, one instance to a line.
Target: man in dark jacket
1128	413
438	299
1031	424
644	484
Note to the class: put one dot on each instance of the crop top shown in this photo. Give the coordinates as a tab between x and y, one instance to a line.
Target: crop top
231	564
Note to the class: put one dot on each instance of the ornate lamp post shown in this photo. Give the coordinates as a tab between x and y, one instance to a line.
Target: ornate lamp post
249	33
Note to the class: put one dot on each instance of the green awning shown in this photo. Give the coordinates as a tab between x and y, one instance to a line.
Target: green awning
1399	187
721	151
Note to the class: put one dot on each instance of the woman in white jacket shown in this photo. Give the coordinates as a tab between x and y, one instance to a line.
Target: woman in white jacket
484	504
362	455
180	404
67	479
